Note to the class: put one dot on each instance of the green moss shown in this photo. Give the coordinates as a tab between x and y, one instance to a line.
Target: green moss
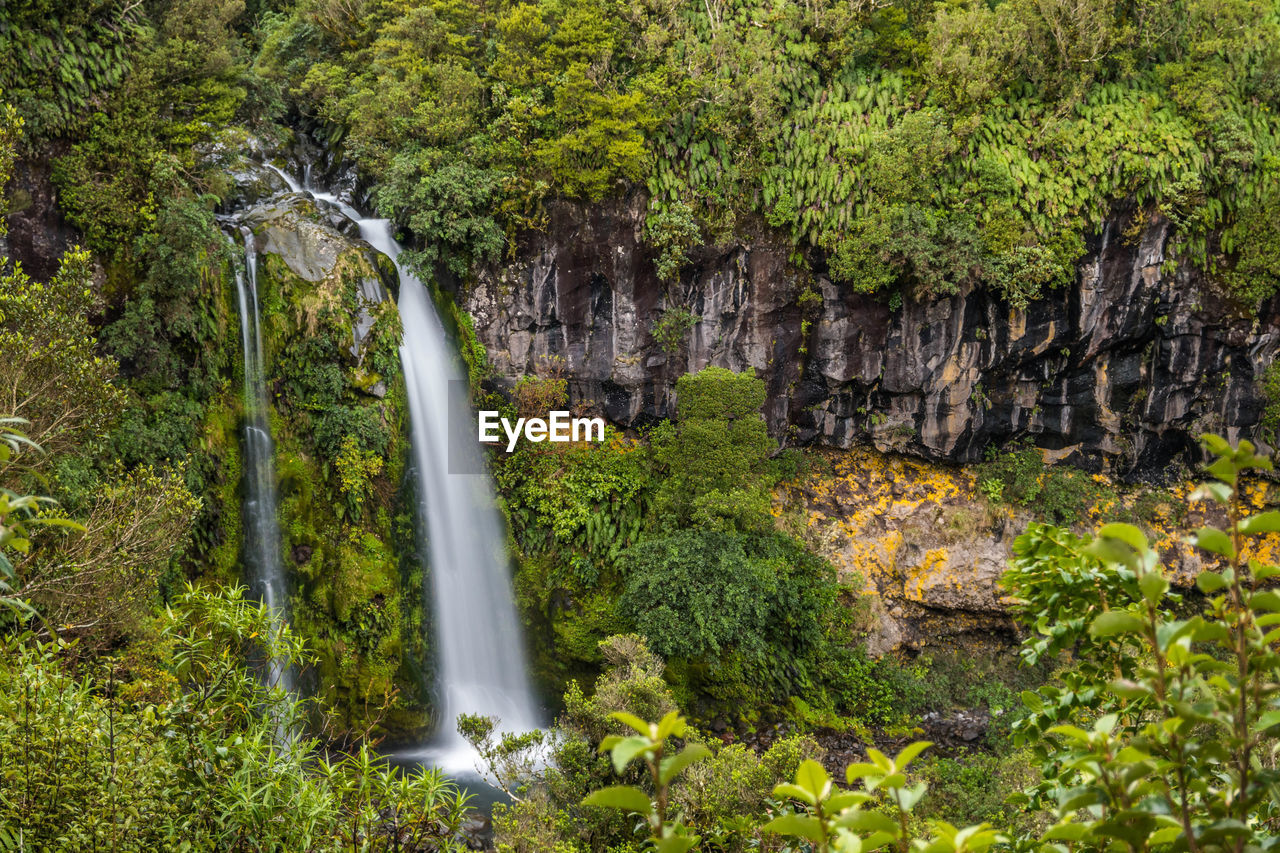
220	443
350	599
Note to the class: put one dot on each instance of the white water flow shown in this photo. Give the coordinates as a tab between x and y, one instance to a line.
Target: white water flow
264	569
286	177
478	638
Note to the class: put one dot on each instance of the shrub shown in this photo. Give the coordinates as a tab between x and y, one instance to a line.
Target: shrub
720	443
696	594
194	751
671	327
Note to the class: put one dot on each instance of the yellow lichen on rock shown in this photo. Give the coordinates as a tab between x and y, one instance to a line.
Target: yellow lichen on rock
929	549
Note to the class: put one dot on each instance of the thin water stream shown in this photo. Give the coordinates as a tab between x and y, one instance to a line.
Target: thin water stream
264	570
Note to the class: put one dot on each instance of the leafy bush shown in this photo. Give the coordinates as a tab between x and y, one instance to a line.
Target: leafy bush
188	747
1179	701
360	426
535	396
670	328
1060	494
672	231
1154	738
717	452
696	594
743	618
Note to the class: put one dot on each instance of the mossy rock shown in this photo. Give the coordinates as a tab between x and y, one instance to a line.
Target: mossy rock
333	371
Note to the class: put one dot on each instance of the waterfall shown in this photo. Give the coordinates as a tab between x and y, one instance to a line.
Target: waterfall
264	570
478	638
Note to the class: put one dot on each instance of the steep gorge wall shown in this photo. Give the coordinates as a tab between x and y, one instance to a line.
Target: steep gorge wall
1120	371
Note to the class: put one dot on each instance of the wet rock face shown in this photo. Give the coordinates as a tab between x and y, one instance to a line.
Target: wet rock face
1120	371
38	235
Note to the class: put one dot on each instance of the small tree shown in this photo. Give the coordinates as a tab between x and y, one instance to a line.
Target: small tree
715	459
1166	731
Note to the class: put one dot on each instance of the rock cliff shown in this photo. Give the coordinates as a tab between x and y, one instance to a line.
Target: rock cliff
1120	371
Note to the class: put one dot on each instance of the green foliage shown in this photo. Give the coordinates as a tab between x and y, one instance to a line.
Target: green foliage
714	792
1255	275
356	469
696	594
664	764
1060	494
536	395
843	820
1270	420
673	232
451	211
589	498
973	787
53	375
20	515
744	618
181	746
573	511
671	327
713	462
63	59
10	133
1160	726
134	148
171	326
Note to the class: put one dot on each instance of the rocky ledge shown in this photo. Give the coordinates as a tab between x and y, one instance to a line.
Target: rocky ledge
1120	371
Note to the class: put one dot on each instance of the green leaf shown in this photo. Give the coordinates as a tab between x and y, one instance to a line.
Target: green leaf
857	771
1216	492
837	803
1111	551
800	825
676	843
627	749
633	721
1215	541
813	777
671	724
672	766
1115	622
1126	689
1265	600
1066	832
794	792
1153	586
910	752
1263	571
1210	582
623	797
1126	533
1224	470
1264	522
1269	719
1074	732
868	821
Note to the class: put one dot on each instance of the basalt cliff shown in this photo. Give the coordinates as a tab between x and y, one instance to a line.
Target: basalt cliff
1119	372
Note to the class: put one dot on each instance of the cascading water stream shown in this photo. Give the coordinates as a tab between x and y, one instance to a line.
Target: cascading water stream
479	643
264	569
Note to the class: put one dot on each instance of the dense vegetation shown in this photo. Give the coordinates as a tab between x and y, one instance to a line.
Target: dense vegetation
918	146
906	149
674	538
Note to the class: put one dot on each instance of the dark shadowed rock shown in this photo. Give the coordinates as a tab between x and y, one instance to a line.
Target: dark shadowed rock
1121	370
38	233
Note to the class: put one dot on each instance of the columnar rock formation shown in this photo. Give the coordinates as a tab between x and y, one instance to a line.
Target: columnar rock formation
1121	370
